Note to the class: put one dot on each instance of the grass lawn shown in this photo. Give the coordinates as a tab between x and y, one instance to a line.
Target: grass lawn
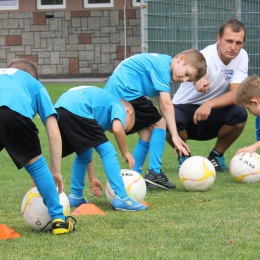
221	223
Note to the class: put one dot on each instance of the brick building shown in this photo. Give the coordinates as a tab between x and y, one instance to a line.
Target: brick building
71	40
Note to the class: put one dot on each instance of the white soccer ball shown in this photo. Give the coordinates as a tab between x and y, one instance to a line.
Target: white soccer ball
134	184
197	173
245	168
35	213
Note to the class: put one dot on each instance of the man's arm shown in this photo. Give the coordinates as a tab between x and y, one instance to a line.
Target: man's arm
227	99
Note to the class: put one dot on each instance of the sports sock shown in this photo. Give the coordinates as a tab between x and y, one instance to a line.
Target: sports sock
45	184
112	168
139	154
156	149
214	152
79	171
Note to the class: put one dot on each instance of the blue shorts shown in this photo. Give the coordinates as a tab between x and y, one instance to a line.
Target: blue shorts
207	129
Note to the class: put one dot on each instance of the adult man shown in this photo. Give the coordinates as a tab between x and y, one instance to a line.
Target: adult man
207	110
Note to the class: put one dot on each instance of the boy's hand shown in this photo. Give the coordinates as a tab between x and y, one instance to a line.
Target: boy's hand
59	182
249	149
96	187
129	159
180	146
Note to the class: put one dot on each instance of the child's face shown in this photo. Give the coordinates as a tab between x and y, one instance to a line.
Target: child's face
253	107
181	72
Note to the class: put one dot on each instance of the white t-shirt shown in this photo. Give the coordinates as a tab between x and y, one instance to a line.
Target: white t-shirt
220	77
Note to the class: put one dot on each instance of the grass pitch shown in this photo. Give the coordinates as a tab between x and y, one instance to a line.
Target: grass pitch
222	223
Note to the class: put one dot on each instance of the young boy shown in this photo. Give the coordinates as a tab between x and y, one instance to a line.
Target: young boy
248	96
85	113
22	96
148	75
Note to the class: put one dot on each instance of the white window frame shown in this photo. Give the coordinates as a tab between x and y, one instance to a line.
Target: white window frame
88	5
9	7
135	3
40	6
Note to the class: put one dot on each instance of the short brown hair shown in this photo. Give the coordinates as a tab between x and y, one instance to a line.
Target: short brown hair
235	25
25	65
248	89
196	60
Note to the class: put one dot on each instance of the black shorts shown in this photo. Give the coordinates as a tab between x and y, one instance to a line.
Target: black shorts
78	133
19	136
207	129
146	114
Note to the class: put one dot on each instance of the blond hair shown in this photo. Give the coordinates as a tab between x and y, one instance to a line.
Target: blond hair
248	89
196	60
25	65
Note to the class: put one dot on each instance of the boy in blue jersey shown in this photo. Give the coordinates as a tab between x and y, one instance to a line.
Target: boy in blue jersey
257	127
22	96
148	75
248	96
85	113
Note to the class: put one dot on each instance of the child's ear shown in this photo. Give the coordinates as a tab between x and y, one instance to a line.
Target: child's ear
182	58
255	101
129	111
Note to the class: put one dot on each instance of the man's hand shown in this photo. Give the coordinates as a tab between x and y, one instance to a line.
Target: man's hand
202	85
202	113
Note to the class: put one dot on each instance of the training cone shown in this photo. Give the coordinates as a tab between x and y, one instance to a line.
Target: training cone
88	209
6	232
145	203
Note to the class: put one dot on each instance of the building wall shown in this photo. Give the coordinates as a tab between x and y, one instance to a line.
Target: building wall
68	43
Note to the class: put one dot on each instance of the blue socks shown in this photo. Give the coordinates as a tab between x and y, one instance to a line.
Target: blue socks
139	154
156	149
112	168
79	171
45	184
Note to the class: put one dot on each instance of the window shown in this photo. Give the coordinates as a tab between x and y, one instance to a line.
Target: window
9	5
136	2
50	4
98	3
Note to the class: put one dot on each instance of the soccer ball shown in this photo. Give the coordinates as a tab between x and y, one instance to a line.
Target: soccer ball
35	213
245	168
134	184
197	173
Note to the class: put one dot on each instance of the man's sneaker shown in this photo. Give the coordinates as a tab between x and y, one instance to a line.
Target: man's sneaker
60	226
127	204
154	180
75	202
218	162
182	159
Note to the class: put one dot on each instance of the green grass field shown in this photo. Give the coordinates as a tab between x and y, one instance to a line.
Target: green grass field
222	223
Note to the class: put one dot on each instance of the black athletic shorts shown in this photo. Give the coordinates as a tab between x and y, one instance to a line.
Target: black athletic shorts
78	133
146	114
19	136
207	129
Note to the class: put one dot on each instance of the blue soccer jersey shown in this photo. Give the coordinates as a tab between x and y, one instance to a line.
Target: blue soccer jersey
24	94
145	74
93	103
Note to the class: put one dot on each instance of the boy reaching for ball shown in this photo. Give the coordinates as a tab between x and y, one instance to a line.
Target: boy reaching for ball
149	75
22	96
85	113
248	96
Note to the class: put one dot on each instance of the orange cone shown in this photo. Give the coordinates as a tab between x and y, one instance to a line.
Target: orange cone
88	209
6	232
145	203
